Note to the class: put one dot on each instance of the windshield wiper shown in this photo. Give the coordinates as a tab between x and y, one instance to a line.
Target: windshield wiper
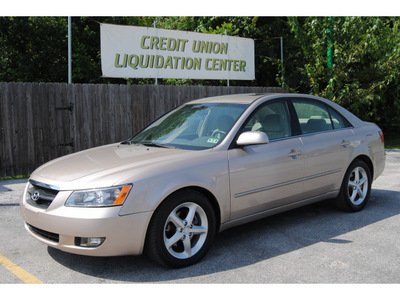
150	144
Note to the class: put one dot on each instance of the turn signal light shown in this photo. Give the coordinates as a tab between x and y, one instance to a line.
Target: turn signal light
122	195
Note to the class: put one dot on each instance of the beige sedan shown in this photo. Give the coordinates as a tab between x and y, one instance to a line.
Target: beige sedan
204	167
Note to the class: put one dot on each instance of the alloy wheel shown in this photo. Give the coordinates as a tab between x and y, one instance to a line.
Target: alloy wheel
358	186
185	230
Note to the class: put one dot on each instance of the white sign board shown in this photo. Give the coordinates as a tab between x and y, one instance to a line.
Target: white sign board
142	52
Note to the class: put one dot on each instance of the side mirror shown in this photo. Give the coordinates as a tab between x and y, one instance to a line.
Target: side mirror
252	138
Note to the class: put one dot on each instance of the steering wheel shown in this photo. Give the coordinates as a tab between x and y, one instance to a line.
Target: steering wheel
216	132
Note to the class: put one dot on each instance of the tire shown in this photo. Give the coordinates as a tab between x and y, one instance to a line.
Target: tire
356	187
182	230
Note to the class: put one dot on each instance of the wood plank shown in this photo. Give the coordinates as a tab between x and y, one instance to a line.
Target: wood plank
14	128
29	129
79	118
7	168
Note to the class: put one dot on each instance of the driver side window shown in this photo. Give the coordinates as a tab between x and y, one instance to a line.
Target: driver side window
271	118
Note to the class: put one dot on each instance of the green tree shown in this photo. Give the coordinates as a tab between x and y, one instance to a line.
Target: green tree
33	49
365	69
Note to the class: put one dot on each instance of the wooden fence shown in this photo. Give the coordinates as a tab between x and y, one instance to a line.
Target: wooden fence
42	121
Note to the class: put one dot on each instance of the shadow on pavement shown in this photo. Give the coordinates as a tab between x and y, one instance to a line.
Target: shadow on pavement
247	244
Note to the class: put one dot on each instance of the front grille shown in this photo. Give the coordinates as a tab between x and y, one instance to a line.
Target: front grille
54	237
40	195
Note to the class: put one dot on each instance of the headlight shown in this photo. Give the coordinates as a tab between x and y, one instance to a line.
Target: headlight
99	197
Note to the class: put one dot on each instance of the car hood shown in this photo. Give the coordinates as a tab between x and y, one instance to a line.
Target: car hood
106	165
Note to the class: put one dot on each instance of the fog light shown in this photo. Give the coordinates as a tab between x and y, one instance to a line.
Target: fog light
89	241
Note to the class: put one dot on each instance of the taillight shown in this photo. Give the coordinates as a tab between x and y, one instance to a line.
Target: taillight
381	135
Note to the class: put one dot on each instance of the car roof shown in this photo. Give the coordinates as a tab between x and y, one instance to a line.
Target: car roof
250	98
234	98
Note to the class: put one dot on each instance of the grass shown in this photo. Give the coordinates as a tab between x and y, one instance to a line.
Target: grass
14	177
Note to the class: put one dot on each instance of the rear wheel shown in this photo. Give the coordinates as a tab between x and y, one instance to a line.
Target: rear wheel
182	230
356	187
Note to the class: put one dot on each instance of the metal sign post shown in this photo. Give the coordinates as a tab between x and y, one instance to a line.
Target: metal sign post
69	52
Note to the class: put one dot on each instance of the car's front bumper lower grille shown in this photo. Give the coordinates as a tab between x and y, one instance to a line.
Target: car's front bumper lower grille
54	237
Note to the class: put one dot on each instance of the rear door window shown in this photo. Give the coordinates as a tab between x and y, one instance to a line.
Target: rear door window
313	116
338	121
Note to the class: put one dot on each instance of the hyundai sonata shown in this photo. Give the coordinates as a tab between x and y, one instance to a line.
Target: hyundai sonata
206	166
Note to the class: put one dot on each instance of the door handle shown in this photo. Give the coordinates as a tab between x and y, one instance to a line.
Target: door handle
294	153
345	143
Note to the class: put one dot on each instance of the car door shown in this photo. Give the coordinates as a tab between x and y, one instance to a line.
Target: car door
327	145
269	175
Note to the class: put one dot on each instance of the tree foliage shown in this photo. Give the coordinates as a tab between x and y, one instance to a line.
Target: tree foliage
364	75
33	49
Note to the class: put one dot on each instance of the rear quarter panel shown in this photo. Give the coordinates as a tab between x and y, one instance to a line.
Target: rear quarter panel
368	142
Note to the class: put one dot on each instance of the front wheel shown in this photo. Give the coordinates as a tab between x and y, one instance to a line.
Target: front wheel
356	187
182	230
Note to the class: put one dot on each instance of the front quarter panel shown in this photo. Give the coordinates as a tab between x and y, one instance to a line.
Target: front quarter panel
207	170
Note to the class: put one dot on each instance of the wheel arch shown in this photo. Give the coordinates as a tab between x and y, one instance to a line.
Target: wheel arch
209	195
213	200
349	198
368	161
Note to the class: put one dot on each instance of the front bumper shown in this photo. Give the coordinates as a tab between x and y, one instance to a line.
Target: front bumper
58	226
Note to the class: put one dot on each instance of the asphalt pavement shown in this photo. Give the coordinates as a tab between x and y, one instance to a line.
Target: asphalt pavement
312	244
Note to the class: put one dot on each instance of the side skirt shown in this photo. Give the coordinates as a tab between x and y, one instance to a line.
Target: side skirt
276	210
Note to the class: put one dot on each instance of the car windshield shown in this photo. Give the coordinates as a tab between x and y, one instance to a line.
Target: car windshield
192	126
